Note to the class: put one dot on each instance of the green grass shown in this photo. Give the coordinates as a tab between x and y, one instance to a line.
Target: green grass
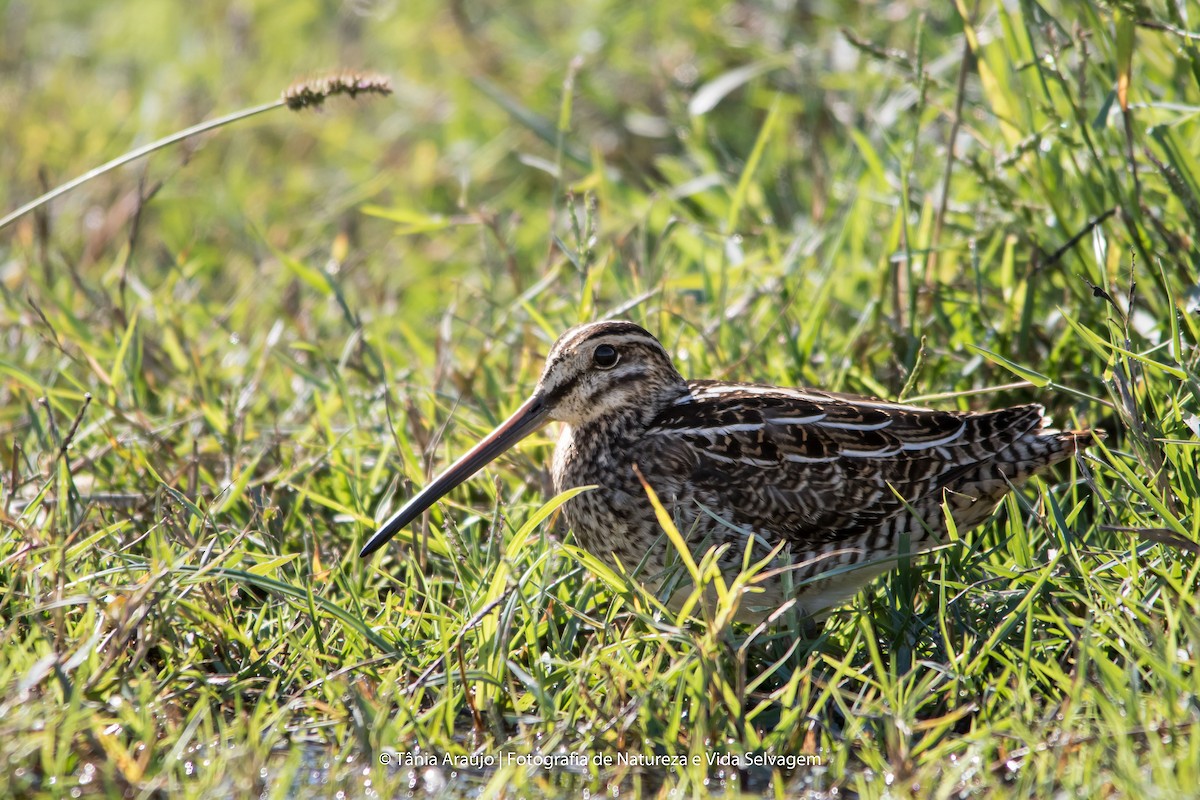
287	325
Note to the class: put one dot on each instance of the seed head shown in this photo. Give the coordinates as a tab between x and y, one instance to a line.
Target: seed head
313	92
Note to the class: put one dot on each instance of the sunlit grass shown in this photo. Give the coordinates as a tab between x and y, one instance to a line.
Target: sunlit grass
286	327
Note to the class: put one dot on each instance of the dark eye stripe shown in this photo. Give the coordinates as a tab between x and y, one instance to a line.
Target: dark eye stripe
562	391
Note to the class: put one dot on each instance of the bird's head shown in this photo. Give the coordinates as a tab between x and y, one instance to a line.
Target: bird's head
605	370
599	371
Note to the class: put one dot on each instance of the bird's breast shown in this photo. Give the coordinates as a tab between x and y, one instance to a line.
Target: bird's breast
613	519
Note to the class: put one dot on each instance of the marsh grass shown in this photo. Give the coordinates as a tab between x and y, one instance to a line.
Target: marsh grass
220	371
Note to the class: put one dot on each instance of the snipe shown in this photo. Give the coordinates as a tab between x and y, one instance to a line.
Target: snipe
837	479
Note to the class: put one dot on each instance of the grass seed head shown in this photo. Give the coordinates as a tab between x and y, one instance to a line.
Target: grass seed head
312	93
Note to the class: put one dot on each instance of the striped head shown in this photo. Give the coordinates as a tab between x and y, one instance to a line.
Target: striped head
604	370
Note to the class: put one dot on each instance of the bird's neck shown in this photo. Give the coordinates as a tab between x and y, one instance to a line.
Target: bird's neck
636	412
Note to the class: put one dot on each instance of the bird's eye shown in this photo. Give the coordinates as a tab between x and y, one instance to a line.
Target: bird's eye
605	356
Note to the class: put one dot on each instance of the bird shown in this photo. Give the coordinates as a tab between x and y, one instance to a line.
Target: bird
829	487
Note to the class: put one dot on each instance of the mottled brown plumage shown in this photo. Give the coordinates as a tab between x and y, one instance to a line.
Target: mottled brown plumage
836	479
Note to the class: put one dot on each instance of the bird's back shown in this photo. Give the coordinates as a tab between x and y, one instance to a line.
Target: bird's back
827	473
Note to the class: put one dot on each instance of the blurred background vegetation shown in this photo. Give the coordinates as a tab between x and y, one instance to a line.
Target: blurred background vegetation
286	324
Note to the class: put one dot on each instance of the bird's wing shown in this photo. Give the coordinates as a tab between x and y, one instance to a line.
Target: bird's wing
817	466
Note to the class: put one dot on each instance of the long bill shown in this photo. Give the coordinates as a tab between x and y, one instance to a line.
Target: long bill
527	419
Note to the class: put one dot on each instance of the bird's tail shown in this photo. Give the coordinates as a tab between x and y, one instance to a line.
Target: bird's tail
1039	445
